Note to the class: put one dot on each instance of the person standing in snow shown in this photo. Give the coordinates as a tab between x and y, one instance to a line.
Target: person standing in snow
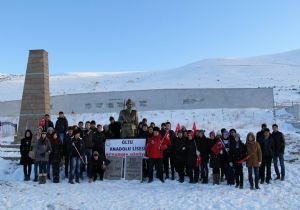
215	157
56	156
254	161
115	128
48	123
76	151
26	161
192	150
66	154
61	126
179	150
227	164
267	148
238	152
156	145
42	152
279	146
204	152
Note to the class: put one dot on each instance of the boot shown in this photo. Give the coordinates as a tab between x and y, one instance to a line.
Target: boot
44	178
40	178
218	179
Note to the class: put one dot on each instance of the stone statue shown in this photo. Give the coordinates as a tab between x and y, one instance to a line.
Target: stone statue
129	121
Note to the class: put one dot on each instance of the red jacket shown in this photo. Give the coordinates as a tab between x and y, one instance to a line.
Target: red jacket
155	146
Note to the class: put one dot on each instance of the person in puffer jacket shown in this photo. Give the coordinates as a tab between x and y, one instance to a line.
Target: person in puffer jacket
156	145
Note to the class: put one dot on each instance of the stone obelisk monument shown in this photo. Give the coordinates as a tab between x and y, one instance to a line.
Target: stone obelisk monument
36	99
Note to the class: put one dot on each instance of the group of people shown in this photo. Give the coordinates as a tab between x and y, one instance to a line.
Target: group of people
81	148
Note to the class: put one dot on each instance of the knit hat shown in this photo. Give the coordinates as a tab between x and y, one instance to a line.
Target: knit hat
95	153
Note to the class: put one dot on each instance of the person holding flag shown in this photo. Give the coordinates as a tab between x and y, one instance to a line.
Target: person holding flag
215	156
238	152
193	152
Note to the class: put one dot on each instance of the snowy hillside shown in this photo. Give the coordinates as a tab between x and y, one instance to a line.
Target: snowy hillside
281	71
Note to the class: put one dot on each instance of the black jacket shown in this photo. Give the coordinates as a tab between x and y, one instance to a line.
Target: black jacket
61	125
99	142
78	143
267	147
204	145
95	165
115	129
237	152
25	147
191	146
179	150
57	151
66	145
215	160
47	125
279	143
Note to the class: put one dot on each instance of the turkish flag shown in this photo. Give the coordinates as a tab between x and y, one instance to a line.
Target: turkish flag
198	161
217	148
194	129
42	122
244	159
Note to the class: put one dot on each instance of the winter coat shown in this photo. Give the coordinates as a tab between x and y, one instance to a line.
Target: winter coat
78	143
25	147
88	139
215	160
254	151
48	124
225	156
191	147
61	125
279	143
179	150
66	145
57	150
115	129
155	147
237	152
204	145
95	165
43	150
267	147
143	135
99	142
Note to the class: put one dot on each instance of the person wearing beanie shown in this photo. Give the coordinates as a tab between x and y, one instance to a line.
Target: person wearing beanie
155	147
97	165
238	152
254	161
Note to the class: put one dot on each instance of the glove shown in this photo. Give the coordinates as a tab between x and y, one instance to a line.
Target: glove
230	164
103	167
227	150
221	152
197	153
183	148
259	163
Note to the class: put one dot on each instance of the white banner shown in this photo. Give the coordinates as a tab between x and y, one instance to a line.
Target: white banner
125	147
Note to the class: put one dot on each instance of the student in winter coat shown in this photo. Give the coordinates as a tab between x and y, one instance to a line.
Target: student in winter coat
66	145
193	150
26	161
56	156
143	134
33	148
279	146
115	128
50	133
61	125
215	159
260	134
76	151
156	145
226	162
267	148
88	145
204	145
238	152
98	165
179	152
253	162
99	140
48	123
168	159
42	152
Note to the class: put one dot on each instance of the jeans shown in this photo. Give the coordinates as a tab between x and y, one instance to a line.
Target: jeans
88	154
204	169
42	167
239	176
256	175
74	168
61	136
48	168
55	169
281	161
35	168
